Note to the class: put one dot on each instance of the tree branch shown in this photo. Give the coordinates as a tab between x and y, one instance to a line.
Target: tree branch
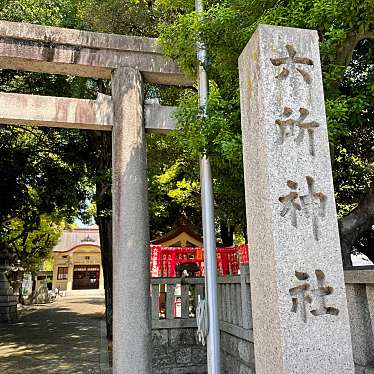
354	224
345	51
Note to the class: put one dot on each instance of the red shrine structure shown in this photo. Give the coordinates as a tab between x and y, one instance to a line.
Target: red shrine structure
181	249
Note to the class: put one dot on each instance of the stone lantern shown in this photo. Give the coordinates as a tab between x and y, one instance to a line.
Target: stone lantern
8	301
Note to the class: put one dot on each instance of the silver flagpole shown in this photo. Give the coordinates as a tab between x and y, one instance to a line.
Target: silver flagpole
213	339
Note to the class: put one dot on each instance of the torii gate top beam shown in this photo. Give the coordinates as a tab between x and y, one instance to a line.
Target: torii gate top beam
56	50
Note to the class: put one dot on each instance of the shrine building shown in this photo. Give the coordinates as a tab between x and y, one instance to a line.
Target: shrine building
77	261
182	235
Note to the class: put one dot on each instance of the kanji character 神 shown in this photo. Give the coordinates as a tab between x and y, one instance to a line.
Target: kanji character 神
313	204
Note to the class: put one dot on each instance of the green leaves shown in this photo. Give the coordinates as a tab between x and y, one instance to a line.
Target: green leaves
178	40
225	28
344	26
60	13
215	134
32	243
44	176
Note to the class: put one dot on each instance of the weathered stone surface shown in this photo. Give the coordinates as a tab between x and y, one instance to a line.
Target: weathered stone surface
41	294
359	369
300	324
8	301
183	355
20	109
237	354
230	344
199	355
47	49
229	365
370	299
176	351
245	297
159	118
132	344
360	297
359	276
246	370
252	360
181	337
164	358
188	370
244	350
160	338
160	371
361	332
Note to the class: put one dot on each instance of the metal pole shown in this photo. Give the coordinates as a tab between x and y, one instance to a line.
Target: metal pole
203	75
213	339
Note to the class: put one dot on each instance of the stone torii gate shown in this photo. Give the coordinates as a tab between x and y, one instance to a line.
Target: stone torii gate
128	62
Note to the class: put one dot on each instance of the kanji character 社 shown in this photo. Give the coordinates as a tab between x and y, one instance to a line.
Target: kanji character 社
303	295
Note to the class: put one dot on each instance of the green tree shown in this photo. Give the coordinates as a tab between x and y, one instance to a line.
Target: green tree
346	31
42	174
32	244
61	13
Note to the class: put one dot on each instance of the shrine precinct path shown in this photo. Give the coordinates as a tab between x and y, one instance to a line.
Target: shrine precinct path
62	337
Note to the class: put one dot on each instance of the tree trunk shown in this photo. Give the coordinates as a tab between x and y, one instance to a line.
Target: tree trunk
227	235
33	289
365	245
105	229
354	224
102	141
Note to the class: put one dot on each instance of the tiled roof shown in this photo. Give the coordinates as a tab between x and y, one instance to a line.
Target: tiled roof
182	225
73	238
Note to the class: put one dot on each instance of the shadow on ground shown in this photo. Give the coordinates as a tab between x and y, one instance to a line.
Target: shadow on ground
87	301
63	337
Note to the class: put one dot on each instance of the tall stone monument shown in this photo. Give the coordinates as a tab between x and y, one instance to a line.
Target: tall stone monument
8	301
300	316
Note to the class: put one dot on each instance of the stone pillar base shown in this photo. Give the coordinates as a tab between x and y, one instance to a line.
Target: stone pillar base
8	301
8	313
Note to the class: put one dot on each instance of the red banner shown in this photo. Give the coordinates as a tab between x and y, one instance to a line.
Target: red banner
164	260
155	261
243	253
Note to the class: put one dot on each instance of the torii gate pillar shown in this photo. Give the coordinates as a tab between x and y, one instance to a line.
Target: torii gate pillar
132	332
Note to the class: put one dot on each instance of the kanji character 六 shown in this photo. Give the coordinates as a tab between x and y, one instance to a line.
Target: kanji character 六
290	62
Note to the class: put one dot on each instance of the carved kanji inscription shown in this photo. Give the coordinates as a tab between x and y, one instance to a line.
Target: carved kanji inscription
292	62
287	126
305	299
313	205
